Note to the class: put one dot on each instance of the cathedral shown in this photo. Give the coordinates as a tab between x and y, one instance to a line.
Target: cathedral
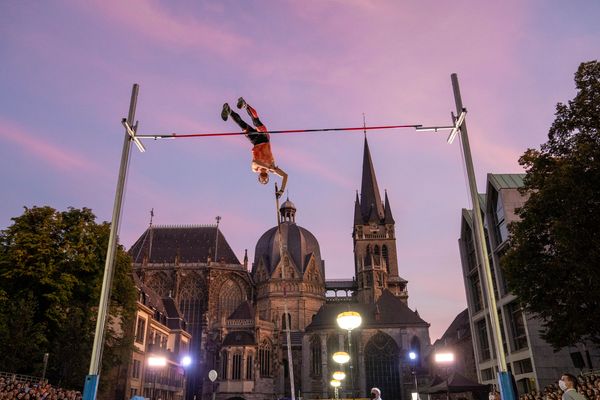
246	321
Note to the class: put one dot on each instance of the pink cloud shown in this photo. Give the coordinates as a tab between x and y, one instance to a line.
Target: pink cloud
150	19
58	157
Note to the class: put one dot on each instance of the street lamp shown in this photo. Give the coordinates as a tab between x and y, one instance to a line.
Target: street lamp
349	320
445	358
335	384
156	362
339	375
413	358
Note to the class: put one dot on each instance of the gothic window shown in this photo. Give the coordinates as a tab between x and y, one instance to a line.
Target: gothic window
249	366
382	365
264	357
369	280
224	361
368	256
415	345
315	359
236	368
230	297
160	283
384	254
377	255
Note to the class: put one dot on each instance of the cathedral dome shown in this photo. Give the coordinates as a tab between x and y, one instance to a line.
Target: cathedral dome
299	242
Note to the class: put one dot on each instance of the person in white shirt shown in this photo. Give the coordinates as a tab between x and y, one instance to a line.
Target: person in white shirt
568	384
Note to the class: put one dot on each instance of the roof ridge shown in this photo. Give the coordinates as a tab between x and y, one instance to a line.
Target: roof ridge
185	226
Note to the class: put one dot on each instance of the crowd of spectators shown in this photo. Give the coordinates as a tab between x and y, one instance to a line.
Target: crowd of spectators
587	385
14	389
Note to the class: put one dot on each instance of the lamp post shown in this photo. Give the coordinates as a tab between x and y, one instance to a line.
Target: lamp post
156	362
447	359
413	359
185	362
336	384
340	357
349	320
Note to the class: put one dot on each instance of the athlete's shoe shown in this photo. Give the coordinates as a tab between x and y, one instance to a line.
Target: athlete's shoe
241	103
225	112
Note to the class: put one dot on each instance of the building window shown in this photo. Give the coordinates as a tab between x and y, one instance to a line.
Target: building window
135	370
384	254
249	367
140	330
475	289
482	339
224	362
382	365
236	369
523	366
499	220
230	297
517	326
377	255
487	374
264	356
315	351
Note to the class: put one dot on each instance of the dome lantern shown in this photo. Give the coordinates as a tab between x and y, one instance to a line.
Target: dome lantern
288	211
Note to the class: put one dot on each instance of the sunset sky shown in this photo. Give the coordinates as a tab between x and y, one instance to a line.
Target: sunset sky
67	68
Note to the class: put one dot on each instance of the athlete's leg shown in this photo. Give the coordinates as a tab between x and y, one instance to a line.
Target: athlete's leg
254	115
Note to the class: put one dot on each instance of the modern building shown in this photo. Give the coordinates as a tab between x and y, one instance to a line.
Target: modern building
241	317
532	361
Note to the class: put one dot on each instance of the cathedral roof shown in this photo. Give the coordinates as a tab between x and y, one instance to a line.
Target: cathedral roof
190	244
299	242
244	311
388	311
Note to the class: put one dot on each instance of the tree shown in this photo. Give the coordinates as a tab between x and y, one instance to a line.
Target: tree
51	269
552	264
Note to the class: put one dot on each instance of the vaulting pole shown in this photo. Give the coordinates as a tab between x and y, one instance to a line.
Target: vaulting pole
91	381
504	378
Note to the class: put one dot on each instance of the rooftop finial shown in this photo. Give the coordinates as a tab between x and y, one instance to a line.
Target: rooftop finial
151	215
364	125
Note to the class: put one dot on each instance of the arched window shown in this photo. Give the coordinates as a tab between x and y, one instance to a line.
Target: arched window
249	366
377	255
415	345
236	368
224	362
160	283
384	254
382	365
230	297
315	359
367	262
264	357
286	321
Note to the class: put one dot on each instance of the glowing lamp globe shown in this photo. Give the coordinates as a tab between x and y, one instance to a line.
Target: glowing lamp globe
335	383
339	375
341	357
186	361
349	320
412	355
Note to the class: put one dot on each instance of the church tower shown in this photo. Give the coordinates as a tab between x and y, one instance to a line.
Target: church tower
375	257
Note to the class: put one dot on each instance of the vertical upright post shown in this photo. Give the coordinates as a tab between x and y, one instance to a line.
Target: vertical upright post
504	378
351	363
46	355
91	381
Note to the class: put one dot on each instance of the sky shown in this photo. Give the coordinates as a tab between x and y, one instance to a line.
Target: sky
67	69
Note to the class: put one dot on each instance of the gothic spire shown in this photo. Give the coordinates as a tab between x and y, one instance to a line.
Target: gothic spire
388	219
369	192
358	218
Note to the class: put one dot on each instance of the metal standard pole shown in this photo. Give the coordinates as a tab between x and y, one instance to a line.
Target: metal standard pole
351	362
416	385
504	379
46	355
91	381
